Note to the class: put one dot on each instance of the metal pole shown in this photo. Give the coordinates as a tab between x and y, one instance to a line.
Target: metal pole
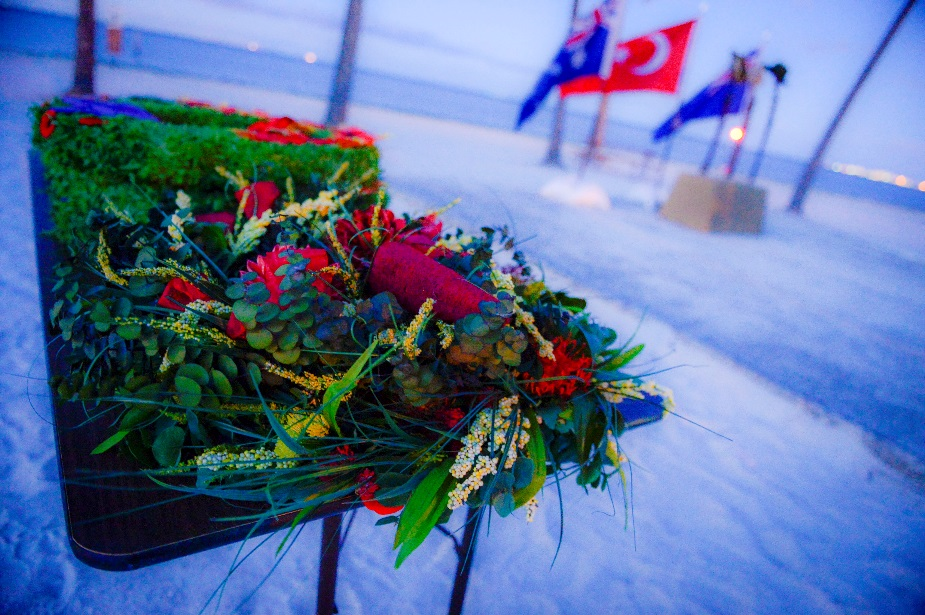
708	160
343	78
756	166
465	554
799	195
737	148
85	60
327	572
597	134
554	154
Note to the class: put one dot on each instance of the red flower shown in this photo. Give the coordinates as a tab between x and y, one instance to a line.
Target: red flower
413	278
356	234
225	218
354	137
282	130
261	195
450	417
265	267
179	293
90	121
367	489
47	123
570	370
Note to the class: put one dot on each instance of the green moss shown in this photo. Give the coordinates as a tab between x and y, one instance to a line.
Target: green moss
137	165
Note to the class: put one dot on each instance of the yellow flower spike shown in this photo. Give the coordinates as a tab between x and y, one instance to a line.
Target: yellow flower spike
298	425
340	171
410	335
375	234
102	259
310	383
290	188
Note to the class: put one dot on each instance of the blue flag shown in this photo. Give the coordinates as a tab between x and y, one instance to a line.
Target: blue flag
726	95
582	54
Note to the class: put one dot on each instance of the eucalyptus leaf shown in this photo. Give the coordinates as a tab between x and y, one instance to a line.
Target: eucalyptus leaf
189	393
167	446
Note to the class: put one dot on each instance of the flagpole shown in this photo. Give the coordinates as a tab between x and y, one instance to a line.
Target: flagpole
597	133
727	102
554	153
666	151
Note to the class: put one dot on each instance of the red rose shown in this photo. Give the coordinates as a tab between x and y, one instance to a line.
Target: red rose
47	123
571	369
261	195
225	218
265	267
179	293
367	489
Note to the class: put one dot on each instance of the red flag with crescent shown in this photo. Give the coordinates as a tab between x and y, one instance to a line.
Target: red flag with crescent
652	62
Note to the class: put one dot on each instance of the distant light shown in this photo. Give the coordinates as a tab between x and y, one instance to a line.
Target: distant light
253	46
900	180
311	57
838	167
737	134
922	186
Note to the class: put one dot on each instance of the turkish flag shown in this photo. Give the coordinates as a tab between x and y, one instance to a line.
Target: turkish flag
652	62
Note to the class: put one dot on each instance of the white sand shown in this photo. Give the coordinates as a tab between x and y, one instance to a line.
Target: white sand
792	513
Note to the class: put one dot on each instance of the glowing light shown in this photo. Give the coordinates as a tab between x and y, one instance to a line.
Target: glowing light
737	134
253	46
922	186
311	57
900	180
837	167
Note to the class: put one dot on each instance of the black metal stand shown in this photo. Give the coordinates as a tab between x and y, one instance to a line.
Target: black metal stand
331	543
465	554
327	573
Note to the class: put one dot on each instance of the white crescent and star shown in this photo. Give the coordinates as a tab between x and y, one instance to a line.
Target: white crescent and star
655	62
659	56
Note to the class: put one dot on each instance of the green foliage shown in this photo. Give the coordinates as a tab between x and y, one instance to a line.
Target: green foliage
423	511
136	165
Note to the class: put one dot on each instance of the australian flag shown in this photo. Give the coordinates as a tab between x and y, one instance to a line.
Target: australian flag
726	95
582	54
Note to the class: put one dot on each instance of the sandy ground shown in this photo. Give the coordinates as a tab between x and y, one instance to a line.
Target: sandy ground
789	510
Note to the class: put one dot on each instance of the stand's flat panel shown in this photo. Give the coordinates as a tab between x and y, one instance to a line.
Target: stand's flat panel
118	520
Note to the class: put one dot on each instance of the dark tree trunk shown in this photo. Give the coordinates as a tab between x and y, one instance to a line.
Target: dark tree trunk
343	78
799	195
85	61
554	154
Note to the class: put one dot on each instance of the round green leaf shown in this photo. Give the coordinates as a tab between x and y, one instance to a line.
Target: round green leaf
222	385
194	372
259	339
167	446
189	393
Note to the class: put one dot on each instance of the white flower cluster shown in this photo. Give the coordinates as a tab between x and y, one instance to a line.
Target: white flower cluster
175	229
193	309
255	459
490	427
531	508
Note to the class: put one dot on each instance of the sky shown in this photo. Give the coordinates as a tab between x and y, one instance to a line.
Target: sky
500	48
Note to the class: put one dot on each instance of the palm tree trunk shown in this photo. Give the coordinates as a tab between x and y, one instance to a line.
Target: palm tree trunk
343	78
85	61
799	195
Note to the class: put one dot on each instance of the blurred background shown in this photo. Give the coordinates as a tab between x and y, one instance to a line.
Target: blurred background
801	349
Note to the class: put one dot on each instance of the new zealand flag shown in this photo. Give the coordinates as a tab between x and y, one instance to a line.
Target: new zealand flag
581	55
